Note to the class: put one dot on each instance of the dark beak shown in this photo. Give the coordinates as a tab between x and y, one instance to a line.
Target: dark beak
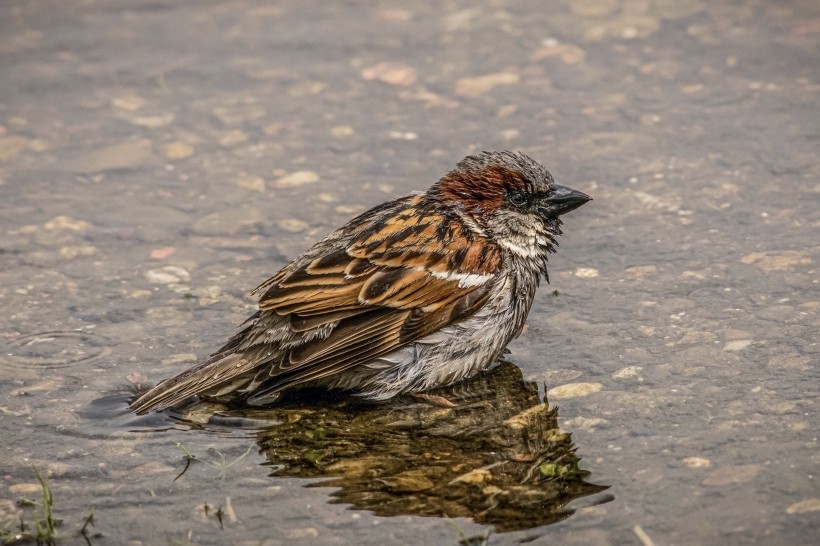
561	200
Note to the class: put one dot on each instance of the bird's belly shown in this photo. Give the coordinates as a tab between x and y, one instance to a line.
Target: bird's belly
453	353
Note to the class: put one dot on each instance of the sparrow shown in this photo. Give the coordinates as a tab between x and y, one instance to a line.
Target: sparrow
414	294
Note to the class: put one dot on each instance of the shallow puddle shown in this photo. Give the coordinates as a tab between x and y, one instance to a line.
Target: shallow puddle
159	160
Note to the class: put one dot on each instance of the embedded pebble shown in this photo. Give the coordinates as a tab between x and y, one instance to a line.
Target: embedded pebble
153	122
293	225
9	511
170	274
573	390
639	272
628	372
349	209
178	150
776	261
479	85
391	74
586	273
697	462
233	138
179	358
737	345
342	131
253	183
808	505
302	532
162	253
71	252
208	295
25	488
298	178
568	53
131	103
11	147
66	223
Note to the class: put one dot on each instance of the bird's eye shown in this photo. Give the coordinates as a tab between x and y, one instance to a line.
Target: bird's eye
517	198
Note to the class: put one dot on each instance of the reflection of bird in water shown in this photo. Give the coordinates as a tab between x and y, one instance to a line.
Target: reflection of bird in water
417	293
498	456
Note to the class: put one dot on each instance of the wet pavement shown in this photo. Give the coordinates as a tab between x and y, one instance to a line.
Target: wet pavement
158	160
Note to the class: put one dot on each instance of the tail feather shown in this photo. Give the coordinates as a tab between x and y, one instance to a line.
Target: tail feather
218	371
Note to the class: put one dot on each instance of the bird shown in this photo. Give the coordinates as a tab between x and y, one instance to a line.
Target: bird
414	294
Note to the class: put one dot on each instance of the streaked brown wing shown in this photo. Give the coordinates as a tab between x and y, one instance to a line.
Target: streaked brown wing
397	280
366	290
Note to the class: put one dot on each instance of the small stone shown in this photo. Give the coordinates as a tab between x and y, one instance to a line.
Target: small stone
586	273
574	390
776	261
732	475
628	372
153	122
253	183
639	272
694	88
11	147
25	488
341	131
272	129
293	225
208	295
403	135
697	462
9	511
808	505
391	74
233	138
66	223
170	274
71	252
737	345
163	253
479	85
302	532
179	359
130	103
349	209
178	150
568	53
298	178
509	134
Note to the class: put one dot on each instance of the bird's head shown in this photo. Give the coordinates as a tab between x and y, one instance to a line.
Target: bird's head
511	199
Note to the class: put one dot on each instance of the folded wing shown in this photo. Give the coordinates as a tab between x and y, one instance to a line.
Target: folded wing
369	289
